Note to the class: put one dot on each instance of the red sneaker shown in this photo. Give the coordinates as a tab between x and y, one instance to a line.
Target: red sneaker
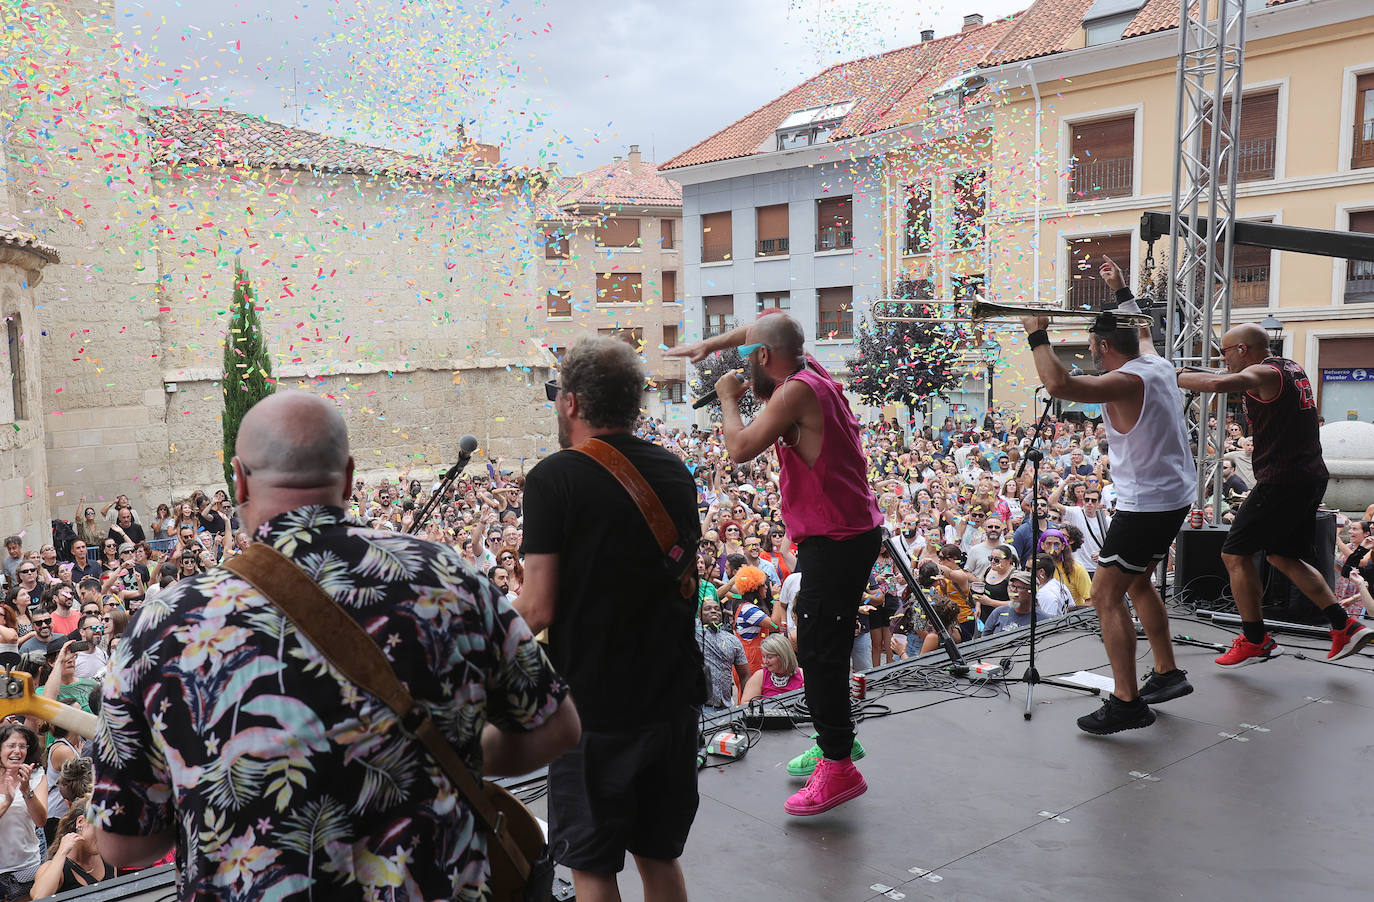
1348	640
1243	652
832	783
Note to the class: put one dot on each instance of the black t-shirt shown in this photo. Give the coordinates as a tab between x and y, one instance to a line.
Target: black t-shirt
622	635
133	531
213	521
1288	445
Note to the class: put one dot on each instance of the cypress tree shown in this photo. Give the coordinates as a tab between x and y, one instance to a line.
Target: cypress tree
247	367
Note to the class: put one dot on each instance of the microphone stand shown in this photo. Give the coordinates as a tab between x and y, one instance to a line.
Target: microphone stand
899	560
1033	456
423	513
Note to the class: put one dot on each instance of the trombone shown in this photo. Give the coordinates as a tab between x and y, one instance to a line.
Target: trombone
980	310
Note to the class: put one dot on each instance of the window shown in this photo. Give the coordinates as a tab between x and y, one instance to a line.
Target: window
665	234
560	304
719	314
672	391
835	313
1106	20
834	223
670	335
1103	159
716	240
668	285
619	288
1084	289
970	206
772	230
617	232
1249	272
634	337
917	239
1359	274
811	126
773	300
18	385
555	245
1256	145
966	288
1362	150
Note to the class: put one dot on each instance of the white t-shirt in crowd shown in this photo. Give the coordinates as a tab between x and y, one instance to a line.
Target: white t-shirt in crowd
787	597
1054	598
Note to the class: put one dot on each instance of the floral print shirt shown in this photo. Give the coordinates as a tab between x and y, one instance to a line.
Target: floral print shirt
224	726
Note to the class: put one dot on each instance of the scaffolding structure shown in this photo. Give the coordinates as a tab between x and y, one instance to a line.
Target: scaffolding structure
1211	52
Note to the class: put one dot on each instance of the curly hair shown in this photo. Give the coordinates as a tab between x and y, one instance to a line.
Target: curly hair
77	778
607	377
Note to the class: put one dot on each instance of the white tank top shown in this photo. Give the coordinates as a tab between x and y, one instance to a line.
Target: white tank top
57	806
1152	465
18	841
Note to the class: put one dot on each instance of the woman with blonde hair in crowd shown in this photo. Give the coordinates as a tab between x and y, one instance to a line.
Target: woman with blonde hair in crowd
779	673
74	860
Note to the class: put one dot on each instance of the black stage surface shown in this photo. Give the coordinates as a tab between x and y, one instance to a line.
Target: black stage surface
1255	787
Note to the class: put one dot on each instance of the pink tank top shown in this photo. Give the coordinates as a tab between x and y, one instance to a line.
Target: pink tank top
832	498
793	682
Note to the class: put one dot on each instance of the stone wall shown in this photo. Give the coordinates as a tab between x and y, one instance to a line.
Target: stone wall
23	476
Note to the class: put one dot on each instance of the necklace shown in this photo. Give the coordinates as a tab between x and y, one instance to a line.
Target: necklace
778	679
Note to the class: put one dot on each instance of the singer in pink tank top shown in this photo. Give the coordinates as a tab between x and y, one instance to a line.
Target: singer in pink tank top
828	509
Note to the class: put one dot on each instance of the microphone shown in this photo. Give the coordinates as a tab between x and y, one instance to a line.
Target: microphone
711	396
466	445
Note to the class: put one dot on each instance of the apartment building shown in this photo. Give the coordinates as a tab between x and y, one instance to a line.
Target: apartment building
612	264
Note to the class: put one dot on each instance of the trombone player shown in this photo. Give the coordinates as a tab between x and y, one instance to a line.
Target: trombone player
1154	474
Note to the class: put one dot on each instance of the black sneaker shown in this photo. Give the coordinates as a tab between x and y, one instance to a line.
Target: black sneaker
1115	716
1160	687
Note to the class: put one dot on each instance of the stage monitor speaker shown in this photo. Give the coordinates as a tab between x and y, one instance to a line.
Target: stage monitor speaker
1199	574
1282	600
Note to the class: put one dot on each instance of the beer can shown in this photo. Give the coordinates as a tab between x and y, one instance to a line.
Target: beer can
1195	519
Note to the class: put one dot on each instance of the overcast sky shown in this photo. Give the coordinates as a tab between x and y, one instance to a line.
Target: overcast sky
569	81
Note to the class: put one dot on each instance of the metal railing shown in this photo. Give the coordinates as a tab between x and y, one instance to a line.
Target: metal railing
832	325
716	253
1359	280
1097	177
1362	149
771	247
717	325
1255	159
834	238
1089	292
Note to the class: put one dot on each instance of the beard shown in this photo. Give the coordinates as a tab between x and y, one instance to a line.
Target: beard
1096	354
763	384
564	431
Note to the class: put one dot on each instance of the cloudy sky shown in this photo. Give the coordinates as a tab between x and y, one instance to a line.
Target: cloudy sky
567	81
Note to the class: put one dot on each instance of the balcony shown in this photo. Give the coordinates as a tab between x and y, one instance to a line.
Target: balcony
716	253
1255	159
1097	177
834	239
835	325
1089	293
772	247
717	325
1359	281
1250	286
1362	148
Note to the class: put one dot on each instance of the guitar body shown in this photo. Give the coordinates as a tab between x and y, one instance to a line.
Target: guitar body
524	830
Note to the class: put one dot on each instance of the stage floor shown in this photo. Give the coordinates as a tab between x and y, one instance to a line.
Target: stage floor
1255	787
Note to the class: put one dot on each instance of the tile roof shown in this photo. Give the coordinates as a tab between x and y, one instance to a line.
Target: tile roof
1041	30
12	238
214	136
959	56
619	184
1161	15
878	84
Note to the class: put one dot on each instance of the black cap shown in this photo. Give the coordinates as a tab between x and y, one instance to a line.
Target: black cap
1107	323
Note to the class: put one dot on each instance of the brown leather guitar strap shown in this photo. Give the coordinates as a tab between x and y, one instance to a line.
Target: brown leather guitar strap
358	657
642	494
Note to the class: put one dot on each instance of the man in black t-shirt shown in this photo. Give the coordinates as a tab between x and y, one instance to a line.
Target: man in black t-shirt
621	632
1279	515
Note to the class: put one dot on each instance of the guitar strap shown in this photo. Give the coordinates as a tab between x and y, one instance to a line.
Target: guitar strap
357	656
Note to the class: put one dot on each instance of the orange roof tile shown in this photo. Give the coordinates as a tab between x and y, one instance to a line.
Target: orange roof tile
1161	15
1041	30
617	184
878	84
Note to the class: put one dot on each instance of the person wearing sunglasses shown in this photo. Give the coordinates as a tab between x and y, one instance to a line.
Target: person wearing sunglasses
830	511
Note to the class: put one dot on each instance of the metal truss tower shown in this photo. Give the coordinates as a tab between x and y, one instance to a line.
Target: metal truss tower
1210	63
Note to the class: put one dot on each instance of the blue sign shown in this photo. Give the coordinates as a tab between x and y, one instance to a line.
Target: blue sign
1347	374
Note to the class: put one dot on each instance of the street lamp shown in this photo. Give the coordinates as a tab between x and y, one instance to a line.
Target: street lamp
1274	326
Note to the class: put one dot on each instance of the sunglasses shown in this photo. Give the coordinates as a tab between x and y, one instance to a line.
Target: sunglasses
1093	498
23	570
551	389
996	559
43	621
746	350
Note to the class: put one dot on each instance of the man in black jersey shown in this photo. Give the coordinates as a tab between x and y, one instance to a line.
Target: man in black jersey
595	576
1279	515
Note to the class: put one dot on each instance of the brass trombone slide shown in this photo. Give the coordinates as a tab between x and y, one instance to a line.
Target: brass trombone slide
980	310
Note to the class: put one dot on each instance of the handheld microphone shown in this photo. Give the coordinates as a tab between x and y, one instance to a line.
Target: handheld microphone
466	445
711	396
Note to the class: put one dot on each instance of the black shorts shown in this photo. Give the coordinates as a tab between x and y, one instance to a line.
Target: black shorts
1277	518
1137	540
625	792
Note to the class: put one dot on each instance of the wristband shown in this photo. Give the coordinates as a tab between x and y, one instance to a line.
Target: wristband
1037	338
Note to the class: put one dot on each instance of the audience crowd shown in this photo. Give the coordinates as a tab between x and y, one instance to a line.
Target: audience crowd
951	496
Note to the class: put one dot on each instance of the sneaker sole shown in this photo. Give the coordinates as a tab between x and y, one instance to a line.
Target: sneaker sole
1173	692
1363	638
849	794
1098	731
1278	650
